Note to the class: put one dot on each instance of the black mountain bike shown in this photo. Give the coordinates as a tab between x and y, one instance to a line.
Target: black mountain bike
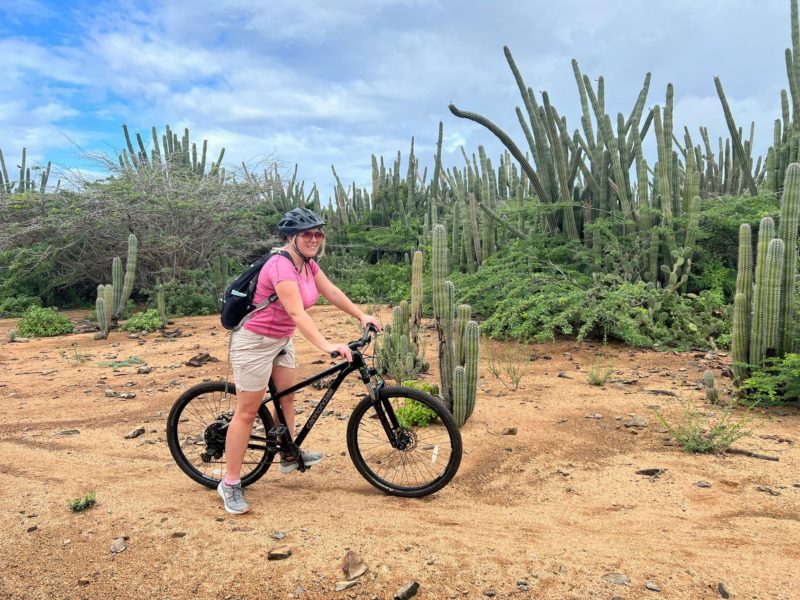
403	441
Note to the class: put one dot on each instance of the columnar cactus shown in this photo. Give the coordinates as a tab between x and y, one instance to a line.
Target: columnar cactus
471	353
460	395
458	338
103	304
442	310
417	293
772	294
787	231
123	286
741	336
712	394
766	232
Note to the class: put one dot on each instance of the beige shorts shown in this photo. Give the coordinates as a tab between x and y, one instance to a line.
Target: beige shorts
253	356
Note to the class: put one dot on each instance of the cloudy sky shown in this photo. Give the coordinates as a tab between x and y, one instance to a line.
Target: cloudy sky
330	83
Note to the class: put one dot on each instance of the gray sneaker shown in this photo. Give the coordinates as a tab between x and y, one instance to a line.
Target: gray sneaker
309	459
233	498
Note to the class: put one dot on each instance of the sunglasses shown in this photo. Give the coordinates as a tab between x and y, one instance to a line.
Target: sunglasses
312	235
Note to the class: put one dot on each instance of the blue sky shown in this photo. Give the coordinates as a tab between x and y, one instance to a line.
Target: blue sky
330	83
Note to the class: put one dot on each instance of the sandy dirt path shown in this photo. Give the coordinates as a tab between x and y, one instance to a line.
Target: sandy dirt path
555	511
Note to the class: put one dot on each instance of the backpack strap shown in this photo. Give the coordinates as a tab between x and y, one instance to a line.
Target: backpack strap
268	301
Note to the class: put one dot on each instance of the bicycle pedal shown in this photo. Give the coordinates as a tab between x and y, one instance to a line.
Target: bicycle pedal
278	431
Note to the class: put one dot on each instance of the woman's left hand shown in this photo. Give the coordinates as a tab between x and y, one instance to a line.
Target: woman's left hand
370	320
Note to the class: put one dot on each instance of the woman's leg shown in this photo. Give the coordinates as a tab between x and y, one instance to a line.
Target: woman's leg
238	435
285	377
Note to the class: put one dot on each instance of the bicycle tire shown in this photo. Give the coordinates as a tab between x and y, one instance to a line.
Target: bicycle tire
190	423
431	458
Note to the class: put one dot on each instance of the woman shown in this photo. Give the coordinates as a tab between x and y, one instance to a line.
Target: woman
263	347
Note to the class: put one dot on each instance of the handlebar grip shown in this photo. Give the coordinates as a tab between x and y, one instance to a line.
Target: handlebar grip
335	354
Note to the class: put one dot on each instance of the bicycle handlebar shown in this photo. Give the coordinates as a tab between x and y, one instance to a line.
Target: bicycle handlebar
365	339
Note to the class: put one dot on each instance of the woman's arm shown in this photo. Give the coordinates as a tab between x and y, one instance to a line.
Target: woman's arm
289	295
340	300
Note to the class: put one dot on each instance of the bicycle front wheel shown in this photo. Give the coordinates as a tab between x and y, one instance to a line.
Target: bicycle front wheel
408	444
196	429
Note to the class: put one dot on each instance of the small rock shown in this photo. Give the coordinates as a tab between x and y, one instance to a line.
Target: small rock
723	591
636	421
68	432
220	519
563	376
84	581
144	370
489	593
280	553
509	431
594	416
110	393
277	535
703	484
352	566
343	585
617	578
651	472
178	534
32	528
409	590
134	433
126	395
766	490
522	585
653	587
118	545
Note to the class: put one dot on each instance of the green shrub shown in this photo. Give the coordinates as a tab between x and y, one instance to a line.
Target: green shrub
82	503
14	306
148	320
776	383
128	362
384	282
187	299
414	414
43	322
699	433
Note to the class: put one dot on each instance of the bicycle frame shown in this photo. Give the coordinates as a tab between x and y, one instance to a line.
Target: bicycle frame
387	416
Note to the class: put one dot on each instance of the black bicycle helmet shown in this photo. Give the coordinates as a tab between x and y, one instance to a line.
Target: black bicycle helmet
297	220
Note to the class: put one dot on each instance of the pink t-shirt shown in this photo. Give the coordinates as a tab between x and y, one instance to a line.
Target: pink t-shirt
273	321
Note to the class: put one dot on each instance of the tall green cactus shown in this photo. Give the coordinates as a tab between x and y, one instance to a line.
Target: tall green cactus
123	285
471	355
103	304
417	294
460	395
442	310
740	336
787	231
772	294
766	233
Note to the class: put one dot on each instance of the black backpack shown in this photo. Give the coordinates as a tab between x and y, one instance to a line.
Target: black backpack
237	300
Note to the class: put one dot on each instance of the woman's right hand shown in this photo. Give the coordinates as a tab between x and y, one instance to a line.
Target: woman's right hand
343	350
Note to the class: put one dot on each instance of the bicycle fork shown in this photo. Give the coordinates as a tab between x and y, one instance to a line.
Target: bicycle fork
383	407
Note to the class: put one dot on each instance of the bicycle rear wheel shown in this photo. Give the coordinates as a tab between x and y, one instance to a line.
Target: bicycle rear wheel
420	459
196	429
